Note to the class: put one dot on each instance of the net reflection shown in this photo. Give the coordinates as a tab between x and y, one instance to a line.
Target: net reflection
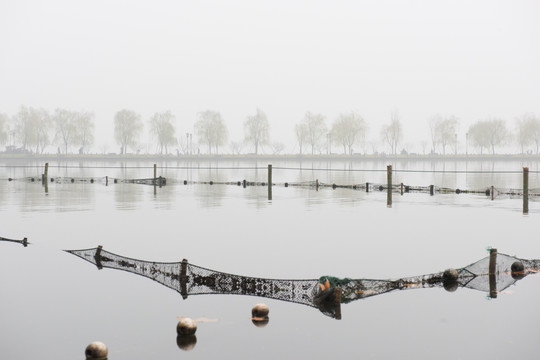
492	274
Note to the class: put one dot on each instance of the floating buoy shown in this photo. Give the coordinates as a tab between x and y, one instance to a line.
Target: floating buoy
450	274
260	310
10	179
238	183
96	350
518	270
487	192
185	182
334	186
72	180
91	181
186	326
186	343
286	184
259	315
458	191
381	188
115	181
211	183
32	179
52	179
262	184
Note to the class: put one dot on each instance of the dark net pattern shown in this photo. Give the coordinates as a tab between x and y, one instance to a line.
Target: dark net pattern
188	279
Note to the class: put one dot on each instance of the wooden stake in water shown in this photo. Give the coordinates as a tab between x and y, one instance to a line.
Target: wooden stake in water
183	278
492	192
492	273
402	189
155	178
431	190
525	190
269	181
389	188
316	184
46	178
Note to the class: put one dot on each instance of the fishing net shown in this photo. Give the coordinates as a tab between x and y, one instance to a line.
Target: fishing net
189	279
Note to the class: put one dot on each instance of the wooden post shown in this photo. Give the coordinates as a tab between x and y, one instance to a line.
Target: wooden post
269	181
525	190
401	189
316	184
431	190
492	192
183	279
106	180
367	187
337	302
389	188
492	273
97	257
46	178
155	178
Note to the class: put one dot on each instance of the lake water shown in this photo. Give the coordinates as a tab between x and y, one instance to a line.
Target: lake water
53	304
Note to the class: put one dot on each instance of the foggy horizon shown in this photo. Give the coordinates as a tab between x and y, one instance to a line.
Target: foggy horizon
470	60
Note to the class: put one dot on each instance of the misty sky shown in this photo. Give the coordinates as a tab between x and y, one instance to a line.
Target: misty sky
473	59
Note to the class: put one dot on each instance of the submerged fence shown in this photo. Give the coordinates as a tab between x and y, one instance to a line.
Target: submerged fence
389	187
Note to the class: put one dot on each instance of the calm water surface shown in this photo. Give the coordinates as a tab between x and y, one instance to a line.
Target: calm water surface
53	304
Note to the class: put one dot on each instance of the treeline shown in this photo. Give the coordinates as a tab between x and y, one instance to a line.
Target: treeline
34	130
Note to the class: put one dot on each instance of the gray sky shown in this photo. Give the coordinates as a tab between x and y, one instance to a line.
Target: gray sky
473	59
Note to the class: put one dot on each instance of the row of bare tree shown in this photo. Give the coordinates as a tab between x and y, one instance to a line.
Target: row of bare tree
33	130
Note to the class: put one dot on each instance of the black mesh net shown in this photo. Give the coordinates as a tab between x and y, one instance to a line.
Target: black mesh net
492	274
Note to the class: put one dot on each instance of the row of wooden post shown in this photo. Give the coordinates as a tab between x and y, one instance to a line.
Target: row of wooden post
45	181
432	189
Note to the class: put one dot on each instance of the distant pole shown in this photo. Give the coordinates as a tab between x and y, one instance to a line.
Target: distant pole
401	189
431	190
389	187
525	190
269	181
367	187
492	273
316	184
492	192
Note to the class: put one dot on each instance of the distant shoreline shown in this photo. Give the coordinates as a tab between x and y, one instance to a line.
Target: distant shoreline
252	157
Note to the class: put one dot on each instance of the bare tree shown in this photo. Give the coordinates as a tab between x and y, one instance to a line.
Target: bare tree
528	131
127	128
443	131
348	130
211	130
488	134
315	129
162	130
66	128
3	128
257	130
277	147
84	122
24	128
301	132
236	147
392	133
